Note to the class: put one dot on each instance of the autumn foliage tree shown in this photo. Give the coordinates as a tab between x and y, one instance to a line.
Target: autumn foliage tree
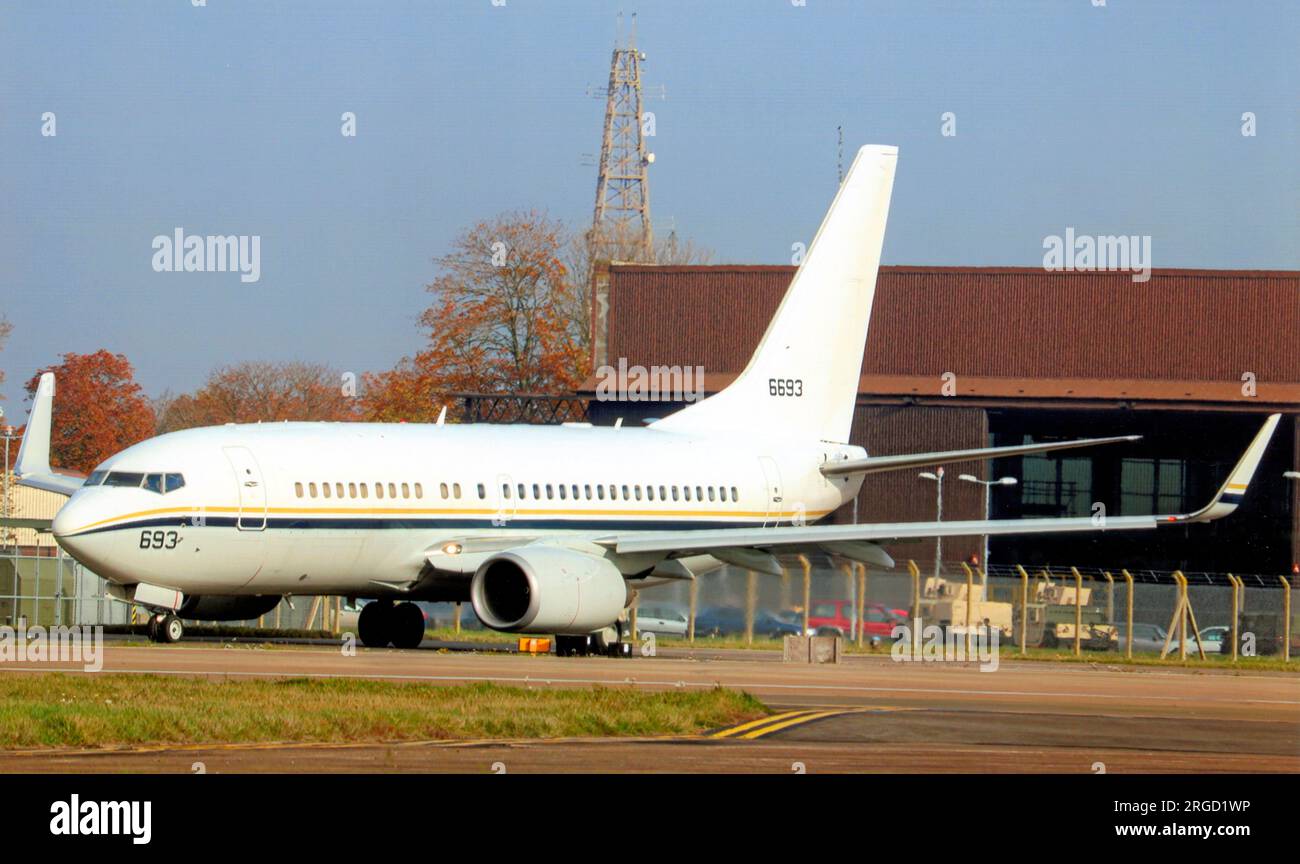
99	409
261	391
497	325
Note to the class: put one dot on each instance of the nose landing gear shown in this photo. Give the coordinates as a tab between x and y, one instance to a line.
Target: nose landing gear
165	628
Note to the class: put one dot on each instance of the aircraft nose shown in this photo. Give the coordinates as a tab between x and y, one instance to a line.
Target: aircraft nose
70	517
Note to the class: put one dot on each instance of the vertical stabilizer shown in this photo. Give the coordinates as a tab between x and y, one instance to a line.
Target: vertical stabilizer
803	379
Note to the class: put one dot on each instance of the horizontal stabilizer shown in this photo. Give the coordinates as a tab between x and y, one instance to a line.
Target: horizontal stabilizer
881	464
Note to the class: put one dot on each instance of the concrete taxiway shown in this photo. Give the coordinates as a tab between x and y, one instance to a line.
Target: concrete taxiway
864	714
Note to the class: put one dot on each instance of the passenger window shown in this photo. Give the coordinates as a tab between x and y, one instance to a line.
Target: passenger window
419	491
600	491
392	490
352	490
686	490
153	482
627	497
699	493
662	496
338	488
406	490
637	489
379	490
455	491
363	490
710	493
587	490
325	488
734	496
442	487
482	492
537	492
548	492
575	491
311	489
505	491
297	490
674	493
523	490
561	491
650	493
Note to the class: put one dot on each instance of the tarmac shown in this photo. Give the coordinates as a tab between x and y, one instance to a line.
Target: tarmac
865	714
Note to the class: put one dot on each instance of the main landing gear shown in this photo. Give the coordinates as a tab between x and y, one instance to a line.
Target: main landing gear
382	623
609	642
165	627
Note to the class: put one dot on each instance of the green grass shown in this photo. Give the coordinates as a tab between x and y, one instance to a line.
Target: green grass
60	710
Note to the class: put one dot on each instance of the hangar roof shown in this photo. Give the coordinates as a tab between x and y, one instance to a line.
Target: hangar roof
1008	334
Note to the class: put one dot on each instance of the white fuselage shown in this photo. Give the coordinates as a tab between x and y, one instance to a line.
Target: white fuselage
336	508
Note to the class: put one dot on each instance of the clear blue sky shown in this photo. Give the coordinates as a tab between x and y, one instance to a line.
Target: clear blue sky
225	120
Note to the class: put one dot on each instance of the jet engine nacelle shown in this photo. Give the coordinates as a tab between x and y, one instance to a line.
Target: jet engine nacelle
547	589
200	607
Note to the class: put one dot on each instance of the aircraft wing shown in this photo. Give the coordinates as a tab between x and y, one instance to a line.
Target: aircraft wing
880	464
33	465
784	539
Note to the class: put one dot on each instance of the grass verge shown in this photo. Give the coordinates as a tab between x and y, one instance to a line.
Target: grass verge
59	710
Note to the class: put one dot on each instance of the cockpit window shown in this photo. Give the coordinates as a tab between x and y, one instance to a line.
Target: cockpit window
174	482
123	478
153	482
95	478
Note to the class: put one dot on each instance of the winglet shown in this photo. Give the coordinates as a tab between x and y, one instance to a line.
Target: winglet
1234	488
34	453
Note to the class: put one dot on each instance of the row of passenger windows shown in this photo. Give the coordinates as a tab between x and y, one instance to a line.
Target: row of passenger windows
617	492
162	483
521	491
363	490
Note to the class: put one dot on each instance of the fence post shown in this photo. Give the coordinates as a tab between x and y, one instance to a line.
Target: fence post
847	568
751	598
1078	610
1024	609
1128	617
1236	612
862	599
1286	620
916	590
970	600
1110	597
807	589
690	623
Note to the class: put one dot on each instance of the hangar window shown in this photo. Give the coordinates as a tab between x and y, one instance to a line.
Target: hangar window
297	490
455	491
1056	487
124	478
95	478
1152	486
311	489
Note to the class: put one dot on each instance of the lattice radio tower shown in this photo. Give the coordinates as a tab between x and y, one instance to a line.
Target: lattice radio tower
622	216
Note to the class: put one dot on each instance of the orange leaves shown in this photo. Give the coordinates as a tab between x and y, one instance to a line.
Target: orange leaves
253	391
99	409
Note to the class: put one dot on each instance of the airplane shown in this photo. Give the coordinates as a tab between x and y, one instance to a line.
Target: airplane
544	529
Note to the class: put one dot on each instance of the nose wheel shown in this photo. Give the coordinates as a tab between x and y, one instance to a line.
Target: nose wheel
165	628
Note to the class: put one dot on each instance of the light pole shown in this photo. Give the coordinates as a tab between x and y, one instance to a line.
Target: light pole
8	433
937	476
988	504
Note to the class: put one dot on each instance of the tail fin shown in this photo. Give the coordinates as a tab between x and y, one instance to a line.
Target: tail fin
803	379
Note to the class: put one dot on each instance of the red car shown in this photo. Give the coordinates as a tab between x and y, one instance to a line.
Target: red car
835	618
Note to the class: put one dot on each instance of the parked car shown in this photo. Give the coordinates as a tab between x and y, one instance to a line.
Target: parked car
835	618
661	620
728	621
1146	637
